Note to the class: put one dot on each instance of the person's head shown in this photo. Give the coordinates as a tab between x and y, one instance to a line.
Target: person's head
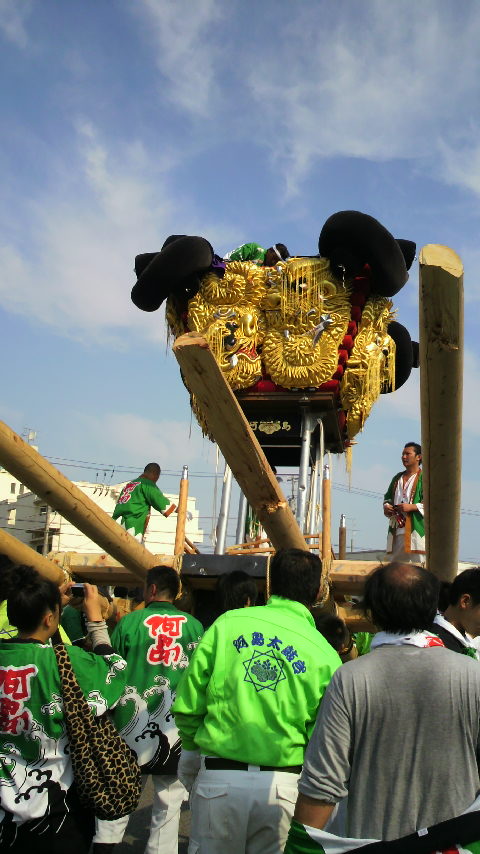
412	455
464	600
152	471
34	604
120	592
162	584
274	254
236	590
401	598
333	629
295	574
7	576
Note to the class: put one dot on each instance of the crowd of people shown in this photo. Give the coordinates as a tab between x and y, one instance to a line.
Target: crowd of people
283	731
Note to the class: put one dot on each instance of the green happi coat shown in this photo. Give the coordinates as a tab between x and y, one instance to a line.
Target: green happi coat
248	252
134	503
35	768
415	523
254	685
157	643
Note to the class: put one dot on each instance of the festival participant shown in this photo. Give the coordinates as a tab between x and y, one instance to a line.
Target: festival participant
157	643
403	505
460	622
235	589
133	507
40	810
256	253
398	731
7	583
245	710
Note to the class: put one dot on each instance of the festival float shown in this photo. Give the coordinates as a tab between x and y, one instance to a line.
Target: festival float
283	364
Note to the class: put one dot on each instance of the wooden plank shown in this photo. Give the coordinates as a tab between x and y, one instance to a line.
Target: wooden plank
26	464
227	423
441	384
19	553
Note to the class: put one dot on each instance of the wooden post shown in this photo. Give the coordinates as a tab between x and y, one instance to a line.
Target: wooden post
326	525
20	553
441	382
181	513
342	538
227	423
26	464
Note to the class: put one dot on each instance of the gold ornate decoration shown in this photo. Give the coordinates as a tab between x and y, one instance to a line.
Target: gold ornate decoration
371	366
290	320
269	427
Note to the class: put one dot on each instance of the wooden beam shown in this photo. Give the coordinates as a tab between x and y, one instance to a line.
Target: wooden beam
441	383
26	464
233	435
21	554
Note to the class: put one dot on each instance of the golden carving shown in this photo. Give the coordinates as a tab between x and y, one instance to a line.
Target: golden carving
290	320
371	366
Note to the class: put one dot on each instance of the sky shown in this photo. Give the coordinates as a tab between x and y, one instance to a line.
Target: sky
248	120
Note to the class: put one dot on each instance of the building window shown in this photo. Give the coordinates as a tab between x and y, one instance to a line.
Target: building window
12	488
11	516
43	510
21	489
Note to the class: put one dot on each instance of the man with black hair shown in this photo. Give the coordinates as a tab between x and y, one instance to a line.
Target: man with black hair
460	622
398	730
157	643
246	708
132	510
235	589
403	506
256	253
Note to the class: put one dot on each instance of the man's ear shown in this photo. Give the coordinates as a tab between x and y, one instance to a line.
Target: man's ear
465	601
50	619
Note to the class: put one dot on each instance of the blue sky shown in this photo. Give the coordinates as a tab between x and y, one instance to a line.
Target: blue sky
129	120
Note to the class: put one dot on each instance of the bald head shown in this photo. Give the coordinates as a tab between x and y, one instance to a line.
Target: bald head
152	471
402	598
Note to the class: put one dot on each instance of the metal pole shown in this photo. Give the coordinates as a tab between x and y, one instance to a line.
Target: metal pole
242	518
342	538
306	433
46	532
314	500
223	515
181	513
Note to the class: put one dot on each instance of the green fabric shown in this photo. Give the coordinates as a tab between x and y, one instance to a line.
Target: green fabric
8	631
135	501
33	742
254	685
299	842
418	522
73	622
363	641
248	252
157	643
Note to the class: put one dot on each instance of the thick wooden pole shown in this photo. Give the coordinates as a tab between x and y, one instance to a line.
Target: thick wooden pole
20	553
228	425
26	464
441	383
181	513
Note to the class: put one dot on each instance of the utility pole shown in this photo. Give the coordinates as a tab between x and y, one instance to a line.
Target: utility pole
46	532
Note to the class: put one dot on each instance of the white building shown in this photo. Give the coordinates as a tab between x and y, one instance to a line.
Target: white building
27	517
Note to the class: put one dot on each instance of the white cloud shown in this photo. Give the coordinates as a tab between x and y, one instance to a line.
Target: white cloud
184	37
381	83
13	14
168	442
76	270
